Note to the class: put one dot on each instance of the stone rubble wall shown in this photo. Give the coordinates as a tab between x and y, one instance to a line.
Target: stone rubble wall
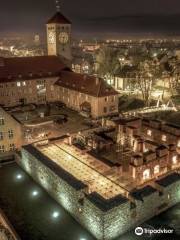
103	225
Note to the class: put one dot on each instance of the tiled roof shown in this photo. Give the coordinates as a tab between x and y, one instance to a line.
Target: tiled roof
58	18
26	68
90	85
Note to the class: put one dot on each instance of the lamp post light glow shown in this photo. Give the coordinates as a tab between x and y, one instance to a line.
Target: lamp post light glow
19	176
55	214
34	193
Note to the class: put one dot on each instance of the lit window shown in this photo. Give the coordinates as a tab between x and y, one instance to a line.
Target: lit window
2	148
146	149
1	121
164	138
12	147
178	145
10	133
149	132
174	159
18	84
1	135
24	83
146	174
156	169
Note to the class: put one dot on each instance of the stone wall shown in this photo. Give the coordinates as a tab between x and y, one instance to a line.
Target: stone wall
105	219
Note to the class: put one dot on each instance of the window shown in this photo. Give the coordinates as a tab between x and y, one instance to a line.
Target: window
1	121
174	159
2	149
164	138
178	145
105	109
106	99
18	84
12	147
112	108
10	133
1	136
146	174
149	132
156	169
24	83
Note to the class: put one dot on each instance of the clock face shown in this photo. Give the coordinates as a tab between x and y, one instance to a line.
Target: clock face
51	37
63	37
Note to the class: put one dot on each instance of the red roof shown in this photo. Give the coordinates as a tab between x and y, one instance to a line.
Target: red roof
26	68
85	84
59	18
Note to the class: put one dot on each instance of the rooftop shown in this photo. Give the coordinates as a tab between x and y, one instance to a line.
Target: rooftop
106	204
139	194
30	67
87	84
168	180
58	18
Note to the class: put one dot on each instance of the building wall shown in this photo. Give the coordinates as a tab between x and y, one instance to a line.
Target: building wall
161	135
10	133
36	91
100	106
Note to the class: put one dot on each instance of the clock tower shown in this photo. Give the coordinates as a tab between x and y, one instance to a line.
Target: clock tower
59	36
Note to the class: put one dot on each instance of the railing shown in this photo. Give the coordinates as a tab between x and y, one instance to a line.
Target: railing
148	110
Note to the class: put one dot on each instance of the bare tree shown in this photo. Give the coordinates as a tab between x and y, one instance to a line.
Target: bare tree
145	78
107	62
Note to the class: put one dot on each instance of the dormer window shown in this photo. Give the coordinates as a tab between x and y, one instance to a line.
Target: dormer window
19	76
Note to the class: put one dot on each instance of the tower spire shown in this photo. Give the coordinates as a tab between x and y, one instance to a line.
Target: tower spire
57	5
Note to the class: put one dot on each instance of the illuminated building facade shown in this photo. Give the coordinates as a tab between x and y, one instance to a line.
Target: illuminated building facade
59	36
10	133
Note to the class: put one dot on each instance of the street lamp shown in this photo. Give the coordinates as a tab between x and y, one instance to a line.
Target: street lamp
55	214
19	176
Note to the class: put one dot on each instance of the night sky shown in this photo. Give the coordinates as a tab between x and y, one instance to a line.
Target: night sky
93	17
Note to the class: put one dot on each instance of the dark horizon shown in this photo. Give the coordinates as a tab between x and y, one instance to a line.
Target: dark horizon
95	18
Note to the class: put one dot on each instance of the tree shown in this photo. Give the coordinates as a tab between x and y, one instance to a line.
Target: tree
145	78
107	62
